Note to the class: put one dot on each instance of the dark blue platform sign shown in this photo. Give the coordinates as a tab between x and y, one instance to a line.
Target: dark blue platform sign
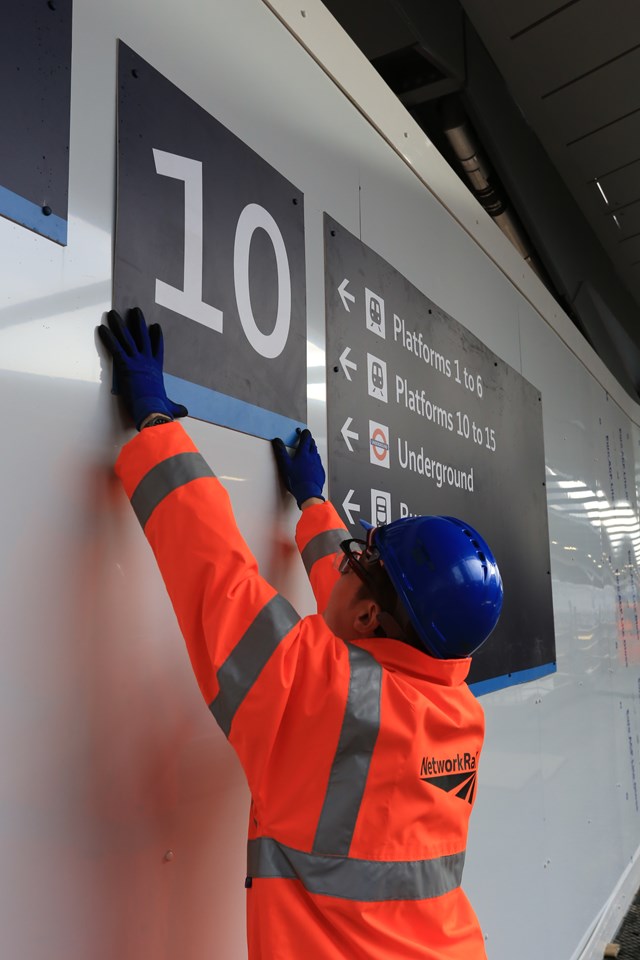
210	244
424	419
35	79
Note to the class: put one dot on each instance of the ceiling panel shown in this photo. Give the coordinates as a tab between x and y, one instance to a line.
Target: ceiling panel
579	38
595	102
631	249
566	47
621	185
575	73
603	151
516	18
599	214
629	218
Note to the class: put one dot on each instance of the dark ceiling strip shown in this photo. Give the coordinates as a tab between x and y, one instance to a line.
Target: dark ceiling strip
537	23
632	236
623	206
588	73
623	166
604	126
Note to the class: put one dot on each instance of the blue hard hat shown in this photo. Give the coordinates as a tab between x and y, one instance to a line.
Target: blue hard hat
446	578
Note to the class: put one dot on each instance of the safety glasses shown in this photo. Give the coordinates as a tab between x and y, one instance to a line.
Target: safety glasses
364	559
353	552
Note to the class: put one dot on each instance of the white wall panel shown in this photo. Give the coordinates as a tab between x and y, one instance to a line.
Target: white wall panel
586	820
508	829
111	761
577	584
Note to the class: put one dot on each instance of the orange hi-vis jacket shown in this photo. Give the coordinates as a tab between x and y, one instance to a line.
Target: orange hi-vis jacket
361	757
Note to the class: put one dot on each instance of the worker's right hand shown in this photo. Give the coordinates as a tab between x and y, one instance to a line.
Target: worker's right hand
138	353
303	473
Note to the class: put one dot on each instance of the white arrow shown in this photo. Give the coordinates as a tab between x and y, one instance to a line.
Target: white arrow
348	435
344	295
347	363
348	506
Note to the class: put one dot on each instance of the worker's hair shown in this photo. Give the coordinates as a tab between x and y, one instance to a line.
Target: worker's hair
386	595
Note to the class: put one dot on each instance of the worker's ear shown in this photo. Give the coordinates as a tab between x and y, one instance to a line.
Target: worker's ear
366	617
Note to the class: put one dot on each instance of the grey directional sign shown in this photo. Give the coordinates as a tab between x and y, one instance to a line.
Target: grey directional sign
424	419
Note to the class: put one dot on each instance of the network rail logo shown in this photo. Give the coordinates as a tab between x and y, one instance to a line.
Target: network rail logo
456	775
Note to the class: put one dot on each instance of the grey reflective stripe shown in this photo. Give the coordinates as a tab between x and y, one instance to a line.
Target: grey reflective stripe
165	477
362	880
350	768
323	545
244	664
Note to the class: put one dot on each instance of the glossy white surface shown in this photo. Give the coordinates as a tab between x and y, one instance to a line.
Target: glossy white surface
122	809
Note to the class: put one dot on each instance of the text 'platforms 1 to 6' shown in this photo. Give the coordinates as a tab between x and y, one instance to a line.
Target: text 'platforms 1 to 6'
385	385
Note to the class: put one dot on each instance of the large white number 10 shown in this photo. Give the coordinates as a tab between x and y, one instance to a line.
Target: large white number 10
188	302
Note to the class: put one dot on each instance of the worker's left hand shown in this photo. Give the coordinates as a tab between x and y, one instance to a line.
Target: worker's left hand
302	473
138	353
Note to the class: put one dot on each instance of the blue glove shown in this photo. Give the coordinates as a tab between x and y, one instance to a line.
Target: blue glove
303	473
138	353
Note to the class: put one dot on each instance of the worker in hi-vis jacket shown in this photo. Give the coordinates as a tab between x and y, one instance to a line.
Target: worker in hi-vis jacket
358	735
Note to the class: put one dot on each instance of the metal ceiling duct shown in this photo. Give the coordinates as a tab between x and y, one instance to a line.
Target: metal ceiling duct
482	180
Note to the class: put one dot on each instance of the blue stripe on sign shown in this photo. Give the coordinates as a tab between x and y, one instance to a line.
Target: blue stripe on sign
206	404
511	679
30	215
